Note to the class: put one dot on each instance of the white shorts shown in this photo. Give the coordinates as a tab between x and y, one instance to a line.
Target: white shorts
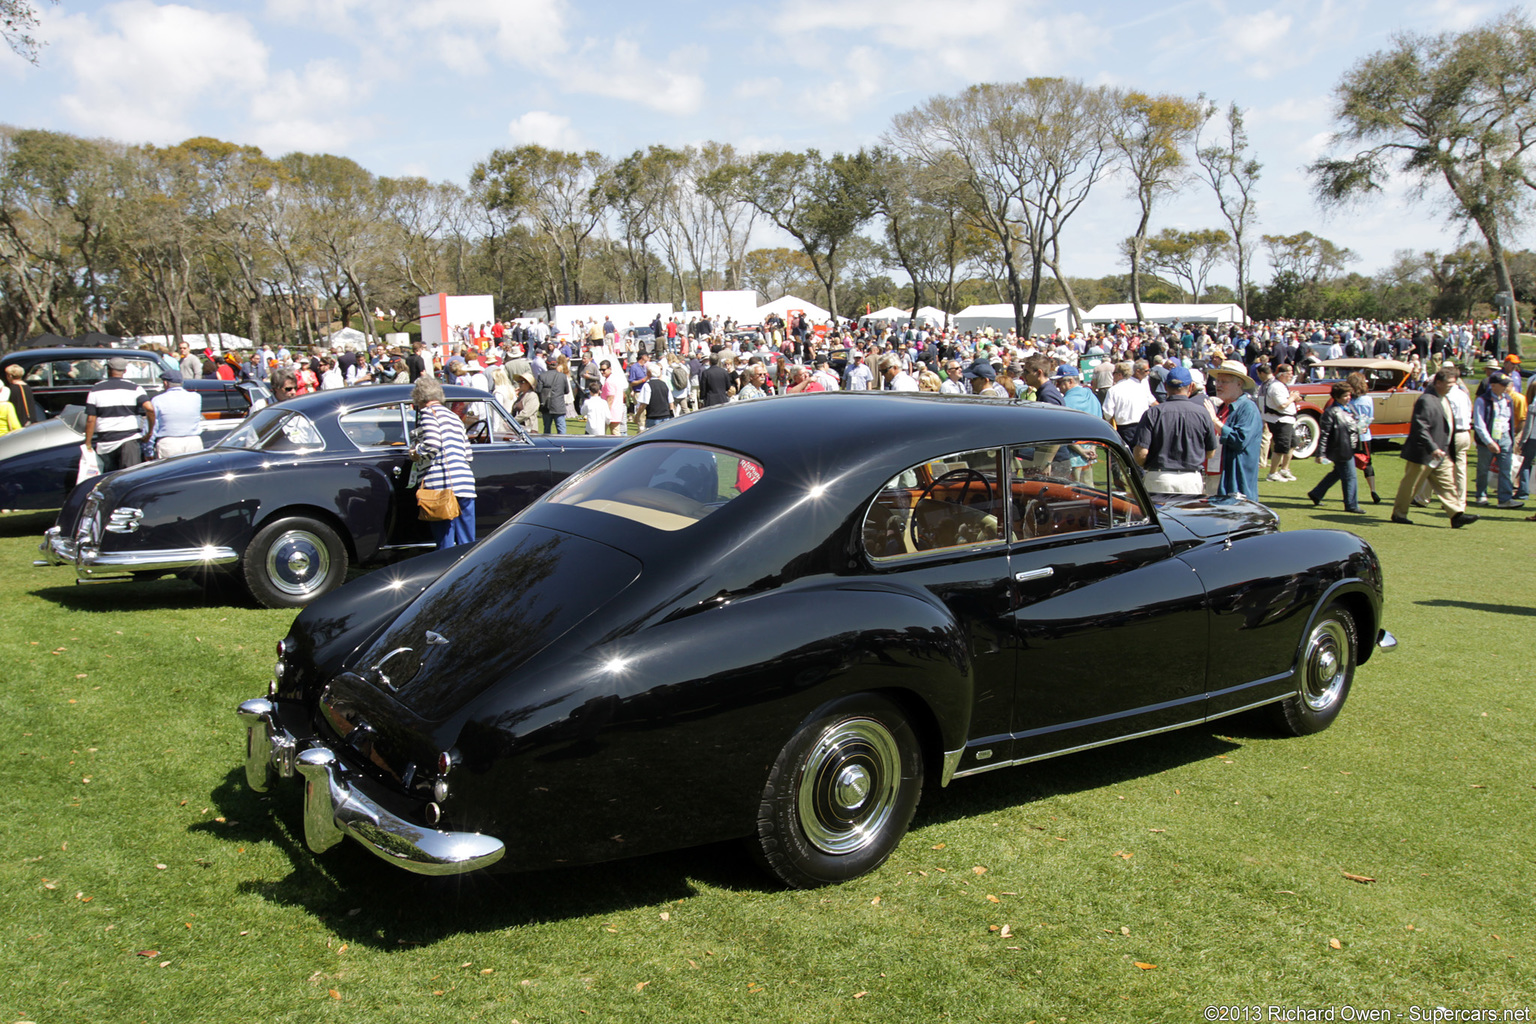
1162	481
168	446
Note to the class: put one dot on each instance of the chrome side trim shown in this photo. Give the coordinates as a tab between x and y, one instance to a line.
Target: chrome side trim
334	808
1385	641
1249	707
951	762
1074	750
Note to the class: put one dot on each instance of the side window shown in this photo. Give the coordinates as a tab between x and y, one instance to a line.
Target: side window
380	426
143	373
37	374
953	502
297	434
485	423
1068	488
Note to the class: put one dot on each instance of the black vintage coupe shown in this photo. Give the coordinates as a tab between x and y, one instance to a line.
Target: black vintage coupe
301	489
779	620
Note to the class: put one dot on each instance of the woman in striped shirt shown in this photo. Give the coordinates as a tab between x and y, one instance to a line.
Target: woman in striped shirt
443	435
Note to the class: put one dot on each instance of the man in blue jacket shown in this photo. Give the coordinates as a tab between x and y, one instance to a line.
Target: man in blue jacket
1242	430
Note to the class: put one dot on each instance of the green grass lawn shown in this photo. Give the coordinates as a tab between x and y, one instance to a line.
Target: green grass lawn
143	881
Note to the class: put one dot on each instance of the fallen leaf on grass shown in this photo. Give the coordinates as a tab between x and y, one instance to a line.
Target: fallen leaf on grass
79	675
1145	967
1006	933
1157	830
978	870
488	970
333	993
938	846
151	953
640	985
666	916
993	899
1357	878
49	885
992	928
1123	855
1335	944
861	995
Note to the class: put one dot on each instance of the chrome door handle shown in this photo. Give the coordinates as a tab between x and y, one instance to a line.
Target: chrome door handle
1033	574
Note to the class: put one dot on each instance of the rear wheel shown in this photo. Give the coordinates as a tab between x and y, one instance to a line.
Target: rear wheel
1324	675
841	793
292	561
1304	445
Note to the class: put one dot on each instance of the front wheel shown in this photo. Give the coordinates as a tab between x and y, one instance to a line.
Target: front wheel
1306	437
841	793
1326	669
292	561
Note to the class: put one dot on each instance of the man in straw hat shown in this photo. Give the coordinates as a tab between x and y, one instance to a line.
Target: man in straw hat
1240	430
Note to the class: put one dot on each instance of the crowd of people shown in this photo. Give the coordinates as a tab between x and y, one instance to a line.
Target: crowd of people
1204	408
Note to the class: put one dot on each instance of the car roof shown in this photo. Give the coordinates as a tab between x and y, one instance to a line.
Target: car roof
43	355
826	433
319	403
1367	364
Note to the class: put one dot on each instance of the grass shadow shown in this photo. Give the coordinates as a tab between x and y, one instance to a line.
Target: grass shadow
136	595
1479	606
370	903
27	524
1075	773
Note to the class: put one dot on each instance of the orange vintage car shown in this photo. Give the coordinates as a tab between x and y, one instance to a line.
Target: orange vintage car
1389	393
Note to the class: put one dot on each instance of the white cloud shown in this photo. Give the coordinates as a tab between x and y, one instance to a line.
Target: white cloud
1457	15
758	88
138	76
542	128
842	95
619	70
309	111
1256	35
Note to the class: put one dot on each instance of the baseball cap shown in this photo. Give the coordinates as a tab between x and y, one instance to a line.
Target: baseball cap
171	376
1180	376
1066	370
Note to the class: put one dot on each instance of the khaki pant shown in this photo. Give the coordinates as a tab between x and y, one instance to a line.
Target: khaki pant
169	446
1441	478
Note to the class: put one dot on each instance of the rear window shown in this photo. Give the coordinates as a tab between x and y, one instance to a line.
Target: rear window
664	486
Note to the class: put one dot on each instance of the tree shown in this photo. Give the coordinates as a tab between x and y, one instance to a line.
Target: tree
557	193
636	189
1030	151
1187	255
17	20
1454	110
776	272
1233	175
818	201
1150	134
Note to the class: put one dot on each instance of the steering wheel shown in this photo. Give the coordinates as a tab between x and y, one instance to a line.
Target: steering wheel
921	539
480	433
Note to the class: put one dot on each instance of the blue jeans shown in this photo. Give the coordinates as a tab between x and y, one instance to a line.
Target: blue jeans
1523	484
450	533
1503	455
1344	473
553	424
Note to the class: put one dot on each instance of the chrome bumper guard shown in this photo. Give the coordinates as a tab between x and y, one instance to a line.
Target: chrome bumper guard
335	808
1386	641
93	563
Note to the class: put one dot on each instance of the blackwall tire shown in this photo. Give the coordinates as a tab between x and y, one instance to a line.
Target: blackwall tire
292	561
840	794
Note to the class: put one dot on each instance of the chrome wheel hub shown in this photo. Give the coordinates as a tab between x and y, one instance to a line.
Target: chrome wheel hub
847	789
1325	668
298	562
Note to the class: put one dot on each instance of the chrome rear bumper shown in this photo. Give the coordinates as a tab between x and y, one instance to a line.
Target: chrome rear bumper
335	805
93	563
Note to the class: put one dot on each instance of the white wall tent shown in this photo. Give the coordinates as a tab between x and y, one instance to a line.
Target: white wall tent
999	317
1167	313
789	302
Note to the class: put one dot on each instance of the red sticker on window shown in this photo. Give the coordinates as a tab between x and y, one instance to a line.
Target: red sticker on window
747	474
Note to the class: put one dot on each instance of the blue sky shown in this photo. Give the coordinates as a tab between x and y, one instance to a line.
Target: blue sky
429	87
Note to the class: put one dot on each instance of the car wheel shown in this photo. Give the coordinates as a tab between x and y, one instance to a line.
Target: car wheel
1324	674
1304	445
841	793
292	561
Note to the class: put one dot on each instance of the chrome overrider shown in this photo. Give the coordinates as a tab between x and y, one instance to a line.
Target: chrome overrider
91	562
335	807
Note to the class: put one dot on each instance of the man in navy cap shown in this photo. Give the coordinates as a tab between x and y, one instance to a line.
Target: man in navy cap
178	418
1175	438
983	379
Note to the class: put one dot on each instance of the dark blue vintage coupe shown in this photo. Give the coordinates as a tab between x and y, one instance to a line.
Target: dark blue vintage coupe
300	490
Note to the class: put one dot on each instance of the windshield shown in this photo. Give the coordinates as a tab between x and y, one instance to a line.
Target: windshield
663	486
